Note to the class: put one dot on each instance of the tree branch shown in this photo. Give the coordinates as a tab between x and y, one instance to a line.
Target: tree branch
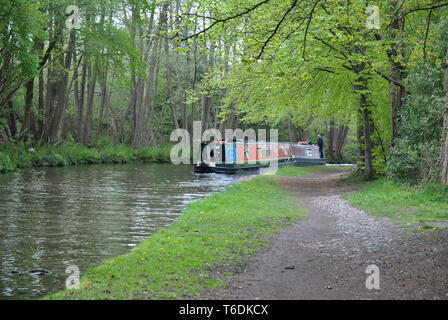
426	34
397	83
307	27
276	28
225	20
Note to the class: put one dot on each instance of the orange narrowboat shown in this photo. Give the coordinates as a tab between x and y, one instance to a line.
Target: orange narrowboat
235	156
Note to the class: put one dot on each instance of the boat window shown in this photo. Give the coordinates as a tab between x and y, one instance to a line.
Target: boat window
268	151
309	152
260	152
246	152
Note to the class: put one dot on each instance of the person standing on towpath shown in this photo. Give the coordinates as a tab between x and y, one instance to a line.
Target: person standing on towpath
320	143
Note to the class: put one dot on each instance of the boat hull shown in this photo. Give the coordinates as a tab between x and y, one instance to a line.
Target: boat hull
251	157
236	168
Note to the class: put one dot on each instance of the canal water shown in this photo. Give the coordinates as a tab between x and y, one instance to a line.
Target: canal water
52	218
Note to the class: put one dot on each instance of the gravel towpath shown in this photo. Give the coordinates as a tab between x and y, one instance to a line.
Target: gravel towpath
326	256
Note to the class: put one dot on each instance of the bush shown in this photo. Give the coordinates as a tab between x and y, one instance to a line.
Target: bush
404	163
13	156
415	153
18	155
163	153
49	155
78	154
118	154
55	160
6	165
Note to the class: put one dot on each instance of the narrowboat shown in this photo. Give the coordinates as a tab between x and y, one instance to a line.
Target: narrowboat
236	156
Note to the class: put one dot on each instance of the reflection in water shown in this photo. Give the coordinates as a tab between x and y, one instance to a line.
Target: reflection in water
56	217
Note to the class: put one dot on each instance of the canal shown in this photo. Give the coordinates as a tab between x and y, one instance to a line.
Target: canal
52	218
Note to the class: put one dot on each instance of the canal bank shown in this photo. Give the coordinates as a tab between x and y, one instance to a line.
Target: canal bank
14	157
218	233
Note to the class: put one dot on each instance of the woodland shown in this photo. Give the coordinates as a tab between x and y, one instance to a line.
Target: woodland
370	76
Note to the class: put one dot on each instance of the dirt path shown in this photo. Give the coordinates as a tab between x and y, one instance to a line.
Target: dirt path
326	256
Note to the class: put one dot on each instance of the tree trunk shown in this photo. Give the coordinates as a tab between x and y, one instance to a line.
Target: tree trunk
360	141
290	131
11	116
89	111
102	107
29	94
113	123
151	88
396	69
341	140
330	144
368	171
443	174
169	69
40	108
56	120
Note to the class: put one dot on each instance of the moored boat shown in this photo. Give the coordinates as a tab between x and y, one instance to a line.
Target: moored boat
236	156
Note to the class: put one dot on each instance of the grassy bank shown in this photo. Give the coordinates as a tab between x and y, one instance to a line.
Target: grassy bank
13	157
181	260
302	171
417	207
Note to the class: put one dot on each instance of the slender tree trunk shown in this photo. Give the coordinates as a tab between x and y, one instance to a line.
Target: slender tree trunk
56	121
139	105
80	104
341	140
29	94
443	174
396	68
27	124
151	88
368	171
103	103
40	107
12	124
290	131
89	111
330	143
360	141
169	69
113	123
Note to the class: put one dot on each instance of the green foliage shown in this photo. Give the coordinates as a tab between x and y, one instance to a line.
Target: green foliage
18	154
350	154
14	156
415	153
20	22
48	155
6	165
78	154
405	163
118	154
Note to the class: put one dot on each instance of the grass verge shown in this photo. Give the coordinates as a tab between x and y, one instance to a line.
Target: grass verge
415	207
179	261
302	171
13	157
